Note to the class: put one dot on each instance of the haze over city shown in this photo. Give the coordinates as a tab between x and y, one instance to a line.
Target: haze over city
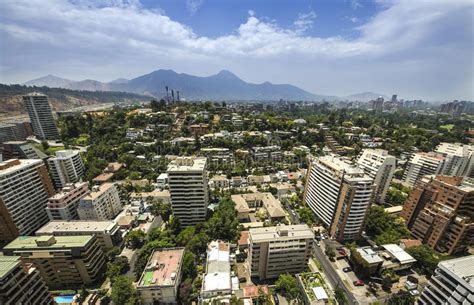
418	49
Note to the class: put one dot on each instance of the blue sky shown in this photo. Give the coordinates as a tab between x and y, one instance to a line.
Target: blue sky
418	49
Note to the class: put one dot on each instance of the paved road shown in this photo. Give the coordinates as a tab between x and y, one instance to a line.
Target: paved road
332	275
294	217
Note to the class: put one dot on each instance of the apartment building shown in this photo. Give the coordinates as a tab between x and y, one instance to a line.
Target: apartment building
340	194
380	166
188	185
66	167
22	283
41	116
160	280
452	283
267	153
107	232
217	280
279	249
63	205
422	164
459	159
63	261
25	187
102	203
21	150
217	156
15	131
439	212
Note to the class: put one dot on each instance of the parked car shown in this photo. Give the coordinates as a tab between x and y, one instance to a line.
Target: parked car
347	269
318	244
358	283
414	292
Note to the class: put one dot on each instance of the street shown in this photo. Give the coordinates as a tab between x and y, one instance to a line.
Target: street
332	275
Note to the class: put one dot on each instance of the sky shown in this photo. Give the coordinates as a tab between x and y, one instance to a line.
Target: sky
413	48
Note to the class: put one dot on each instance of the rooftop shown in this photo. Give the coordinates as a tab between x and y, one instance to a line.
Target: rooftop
29	242
10	166
341	165
163	268
462	267
186	164
104	177
218	267
102	189
68	189
369	255
7	264
280	232
399	254
76	226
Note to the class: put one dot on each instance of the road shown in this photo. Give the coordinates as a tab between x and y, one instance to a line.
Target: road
332	275
293	215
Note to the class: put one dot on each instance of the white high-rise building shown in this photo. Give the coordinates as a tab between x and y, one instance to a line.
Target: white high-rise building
63	205
452	283
380	166
422	164
25	187
103	203
277	250
66	167
459	159
41	116
340	194
187	179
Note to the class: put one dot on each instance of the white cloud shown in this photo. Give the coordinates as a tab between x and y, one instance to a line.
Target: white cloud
193	6
109	37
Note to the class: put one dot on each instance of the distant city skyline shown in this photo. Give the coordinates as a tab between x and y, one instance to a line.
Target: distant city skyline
416	49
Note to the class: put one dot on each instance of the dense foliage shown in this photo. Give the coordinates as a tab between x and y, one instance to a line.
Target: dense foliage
385	229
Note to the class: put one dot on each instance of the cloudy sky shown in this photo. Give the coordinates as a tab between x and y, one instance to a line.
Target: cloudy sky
416	48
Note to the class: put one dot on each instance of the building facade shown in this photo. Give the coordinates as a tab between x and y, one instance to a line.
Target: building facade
380	166
25	187
22	283
280	249
102	203
161	277
422	164
440	211
63	261
41	116
459	159
63	205
188	185
217	280
66	167
452	283
340	194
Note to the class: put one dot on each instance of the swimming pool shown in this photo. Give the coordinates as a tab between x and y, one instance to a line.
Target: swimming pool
64	299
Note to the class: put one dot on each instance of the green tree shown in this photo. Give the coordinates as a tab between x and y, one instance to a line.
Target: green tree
306	215
135	239
223	223
401	298
330	253
340	296
426	259
123	291
189	265
287	286
117	267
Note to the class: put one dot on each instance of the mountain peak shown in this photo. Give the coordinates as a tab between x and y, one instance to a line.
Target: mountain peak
227	74
49	80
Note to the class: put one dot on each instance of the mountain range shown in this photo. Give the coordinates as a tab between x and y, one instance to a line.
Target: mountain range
221	86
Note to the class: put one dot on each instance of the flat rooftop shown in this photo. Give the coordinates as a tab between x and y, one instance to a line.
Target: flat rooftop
369	255
76	226
102	189
186	164
218	267
29	242
10	166
462	267
163	268
340	164
266	234
7	264
399	254
68	189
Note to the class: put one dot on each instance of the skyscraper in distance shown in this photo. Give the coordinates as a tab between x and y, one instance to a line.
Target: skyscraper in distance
41	116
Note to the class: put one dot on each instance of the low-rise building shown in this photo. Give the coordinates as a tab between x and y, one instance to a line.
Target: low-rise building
267	153
396	258
22	283
63	205
107	232
103	203
134	133
161	277
452	283
251	202
220	181
217	156
63	261
217	280
162	180
279	249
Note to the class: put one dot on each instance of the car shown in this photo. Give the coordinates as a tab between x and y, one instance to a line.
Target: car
414	292
347	269
358	283
318	244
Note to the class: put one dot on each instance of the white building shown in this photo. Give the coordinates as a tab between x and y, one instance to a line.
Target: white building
452	283
380	166
188	187
459	159
25	187
160	280
103	203
66	167
162	180
63	205
422	164
340	194
41	116
280	249
217	280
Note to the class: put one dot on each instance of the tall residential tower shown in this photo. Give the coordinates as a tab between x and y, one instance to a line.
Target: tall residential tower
41	116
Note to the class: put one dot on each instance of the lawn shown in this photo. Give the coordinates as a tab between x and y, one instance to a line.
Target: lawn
448	127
